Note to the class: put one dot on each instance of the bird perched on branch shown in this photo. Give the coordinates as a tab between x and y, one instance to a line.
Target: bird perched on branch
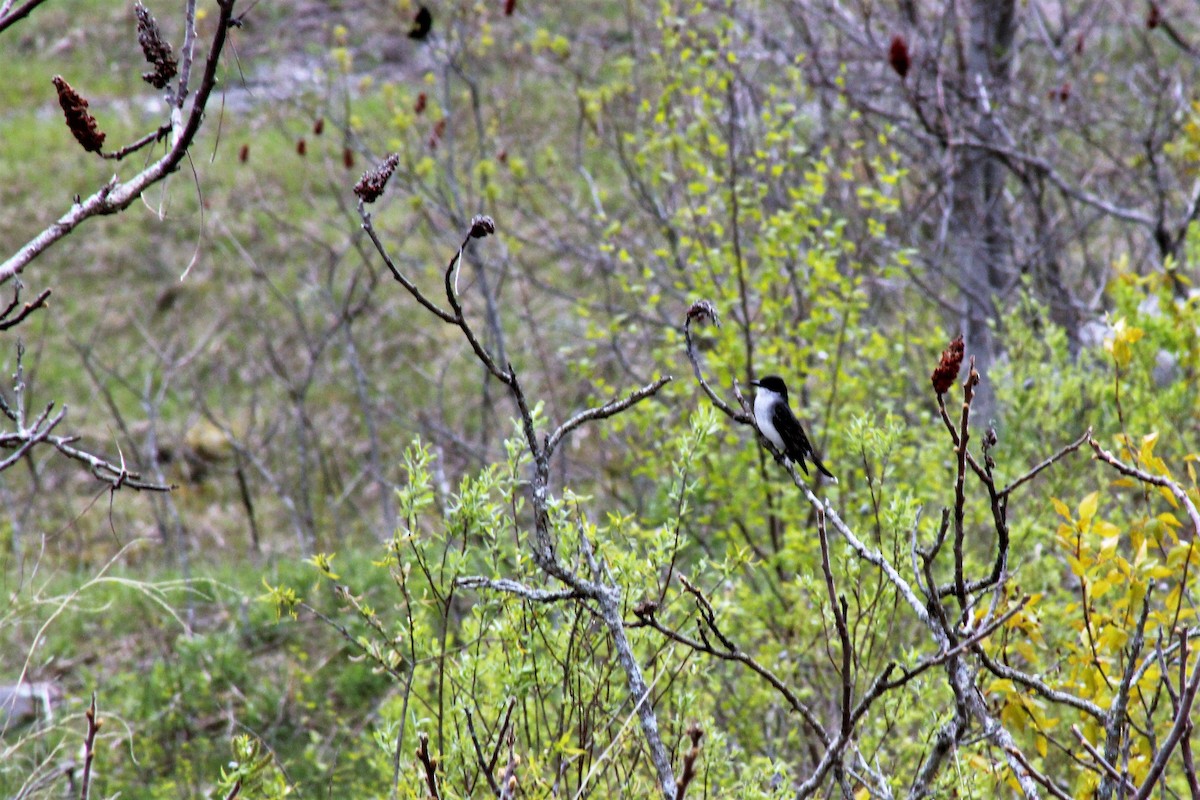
779	424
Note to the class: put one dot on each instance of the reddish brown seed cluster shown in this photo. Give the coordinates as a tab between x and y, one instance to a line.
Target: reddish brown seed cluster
439	129
947	369
419	106
319	126
371	185
82	124
898	56
156	49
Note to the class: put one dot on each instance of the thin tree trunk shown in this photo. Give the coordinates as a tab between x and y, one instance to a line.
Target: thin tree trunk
982	234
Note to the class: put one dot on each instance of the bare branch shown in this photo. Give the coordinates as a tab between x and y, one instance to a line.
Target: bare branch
1117	716
483	767
26	310
731	652
694	732
1154	480
519	589
609	409
428	765
700	311
1070	448
1107	768
89	749
369	226
839	618
22	11
1044	780
1002	670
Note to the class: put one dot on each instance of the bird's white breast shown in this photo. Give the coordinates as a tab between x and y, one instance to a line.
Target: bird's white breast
764	402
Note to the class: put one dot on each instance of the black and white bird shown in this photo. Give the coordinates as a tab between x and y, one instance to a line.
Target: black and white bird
779	424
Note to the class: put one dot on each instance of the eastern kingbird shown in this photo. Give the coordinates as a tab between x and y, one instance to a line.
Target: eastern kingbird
779	424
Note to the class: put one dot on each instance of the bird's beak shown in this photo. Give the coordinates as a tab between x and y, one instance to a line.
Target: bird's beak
755	384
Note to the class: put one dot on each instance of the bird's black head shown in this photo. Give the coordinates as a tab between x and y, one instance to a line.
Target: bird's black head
772	383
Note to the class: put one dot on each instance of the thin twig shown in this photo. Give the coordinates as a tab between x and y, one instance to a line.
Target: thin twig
26	310
89	749
1068	449
1108	769
731	652
839	619
428	765
605	411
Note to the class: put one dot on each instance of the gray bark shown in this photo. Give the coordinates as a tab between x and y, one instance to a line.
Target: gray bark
982	236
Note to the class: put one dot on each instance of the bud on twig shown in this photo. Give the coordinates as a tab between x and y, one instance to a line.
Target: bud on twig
81	123
482	226
703	310
155	48
947	369
694	732
373	181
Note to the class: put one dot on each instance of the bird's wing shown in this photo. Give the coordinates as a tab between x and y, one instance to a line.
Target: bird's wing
795	443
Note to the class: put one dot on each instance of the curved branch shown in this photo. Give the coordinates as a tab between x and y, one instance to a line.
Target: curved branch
609	409
703	310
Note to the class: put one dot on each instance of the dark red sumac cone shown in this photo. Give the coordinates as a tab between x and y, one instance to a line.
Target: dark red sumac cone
898	56
155	48
373	181
947	369
82	124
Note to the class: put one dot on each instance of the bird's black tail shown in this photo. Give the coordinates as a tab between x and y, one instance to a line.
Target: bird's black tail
817	463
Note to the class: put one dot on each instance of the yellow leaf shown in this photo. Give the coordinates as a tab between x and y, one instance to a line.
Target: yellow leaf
1140	556
1087	509
1166	518
1108	547
1167	494
1123	335
1062	509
